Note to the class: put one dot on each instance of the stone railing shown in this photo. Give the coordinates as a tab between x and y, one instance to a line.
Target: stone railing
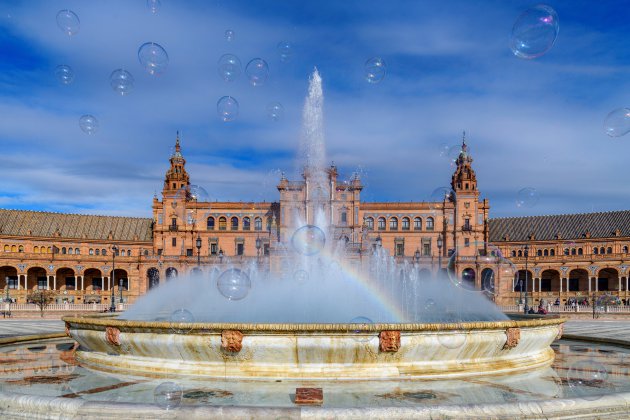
94	307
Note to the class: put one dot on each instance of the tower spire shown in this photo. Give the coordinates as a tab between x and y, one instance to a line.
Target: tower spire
464	140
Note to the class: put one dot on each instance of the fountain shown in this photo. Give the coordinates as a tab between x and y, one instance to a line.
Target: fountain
323	329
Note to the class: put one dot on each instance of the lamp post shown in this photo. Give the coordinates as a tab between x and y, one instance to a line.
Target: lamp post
220	256
520	293
379	241
440	242
198	244
112	306
526	276
258	246
416	256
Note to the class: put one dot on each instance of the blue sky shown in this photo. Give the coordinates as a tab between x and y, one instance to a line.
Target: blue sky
530	123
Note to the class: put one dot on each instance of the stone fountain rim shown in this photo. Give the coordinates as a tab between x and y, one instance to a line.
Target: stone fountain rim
101	322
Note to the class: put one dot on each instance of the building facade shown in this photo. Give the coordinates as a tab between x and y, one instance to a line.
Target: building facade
85	258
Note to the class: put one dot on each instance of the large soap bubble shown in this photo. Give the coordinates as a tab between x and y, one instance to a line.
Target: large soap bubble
375	70
153	58
64	74
68	22
227	108
229	35
183	318
285	50
229	67
308	240
199	194
534	32
121	81
154	5
527	197
588	379
275	110
168	395
234	284
89	124
617	123
257	71
300	276
360	328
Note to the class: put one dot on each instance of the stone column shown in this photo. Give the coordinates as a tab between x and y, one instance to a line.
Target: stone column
47	283
626	284
54	282
589	284
107	279
596	284
82	283
561	285
619	286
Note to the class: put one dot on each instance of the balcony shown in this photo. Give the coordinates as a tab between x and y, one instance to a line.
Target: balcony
467	228
173	228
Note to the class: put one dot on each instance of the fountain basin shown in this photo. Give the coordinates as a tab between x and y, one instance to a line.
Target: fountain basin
313	351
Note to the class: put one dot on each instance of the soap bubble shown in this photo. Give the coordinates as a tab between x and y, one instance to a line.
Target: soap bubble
534	32
199	194
275	111
229	67
154	5
68	22
168	395
234	284
375	70
301	276
617	123
452	339
443	150
429	305
257	71
527	197
181	316
460	274
64	74
285	50
588	379
361	328
121	81
153	58
227	108
308	240
487	281
89	124
438	196
229	35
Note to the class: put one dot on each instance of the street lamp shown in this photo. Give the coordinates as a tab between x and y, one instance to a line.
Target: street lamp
416	255
526	277
379	241
198	244
440	242
112	307
221	256
258	246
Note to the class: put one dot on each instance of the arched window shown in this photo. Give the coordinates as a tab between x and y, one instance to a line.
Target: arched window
520	253
129	253
546	253
258	223
609	250
98	251
580	252
13	248
7	248
539	253
417	223
210	223
77	251
552	252
246	223
36	250
566	251
513	254
103	251
572	251
393	223
234	223
123	253
222	223
625	249
595	250
429	223
343	217
63	250
381	223
369	223
602	250
91	251
405	223
70	251
21	248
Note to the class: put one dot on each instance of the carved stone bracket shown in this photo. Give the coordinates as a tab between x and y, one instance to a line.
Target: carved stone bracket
560	332
389	341
513	336
112	335
593	269
564	270
536	271
309	395
231	340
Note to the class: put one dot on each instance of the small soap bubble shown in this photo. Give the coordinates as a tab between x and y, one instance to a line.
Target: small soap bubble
275	111
487	281
462	277
154	6
308	240
438	196
527	197
375	70
89	124
199	194
121	81
257	71
234	284
183	318
168	395
534	32
429	305
64	74
68	22
285	51
301	276
229	35
617	123
227	108
361	328
229	67
153	58
588	379
443	150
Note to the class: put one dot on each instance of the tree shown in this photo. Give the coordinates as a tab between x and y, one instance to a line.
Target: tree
42	298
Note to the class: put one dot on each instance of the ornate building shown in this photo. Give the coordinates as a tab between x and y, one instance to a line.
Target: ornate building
566	256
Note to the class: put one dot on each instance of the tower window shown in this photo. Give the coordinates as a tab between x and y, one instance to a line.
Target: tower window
417	223
393	223
429	223
174	241
210	223
369	223
405	223
381	223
